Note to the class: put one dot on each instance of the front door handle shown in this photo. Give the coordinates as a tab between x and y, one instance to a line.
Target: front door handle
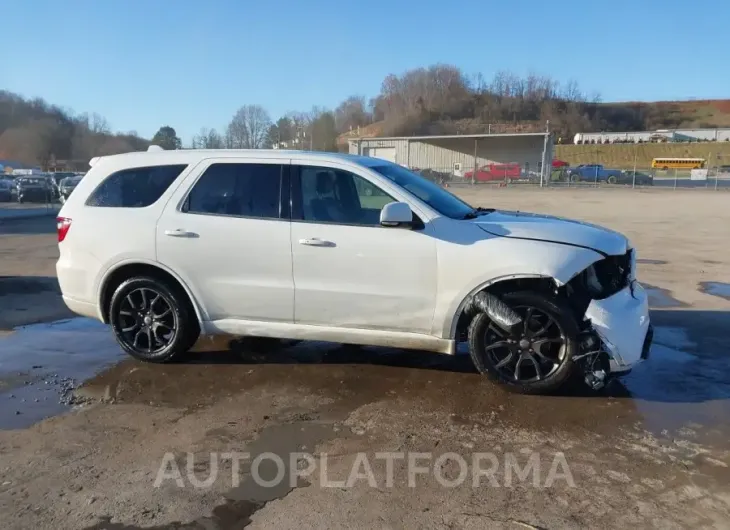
179	232
316	242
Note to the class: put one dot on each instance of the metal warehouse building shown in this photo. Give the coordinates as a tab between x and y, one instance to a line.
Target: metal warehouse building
457	154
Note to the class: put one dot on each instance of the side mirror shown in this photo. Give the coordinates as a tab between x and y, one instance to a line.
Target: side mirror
396	214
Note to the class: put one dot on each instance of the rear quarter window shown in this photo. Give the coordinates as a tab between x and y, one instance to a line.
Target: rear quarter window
134	187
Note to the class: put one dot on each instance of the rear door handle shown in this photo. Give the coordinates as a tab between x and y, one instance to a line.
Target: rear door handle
179	232
316	242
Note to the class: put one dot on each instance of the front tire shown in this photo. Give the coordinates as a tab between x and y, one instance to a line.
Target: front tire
537	357
152	321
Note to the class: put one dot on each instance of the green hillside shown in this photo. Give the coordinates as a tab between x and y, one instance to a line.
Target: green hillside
624	156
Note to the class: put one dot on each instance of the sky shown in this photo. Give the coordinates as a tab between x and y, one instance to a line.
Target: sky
191	64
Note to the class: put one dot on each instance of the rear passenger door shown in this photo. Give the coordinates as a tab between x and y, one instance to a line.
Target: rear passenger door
226	232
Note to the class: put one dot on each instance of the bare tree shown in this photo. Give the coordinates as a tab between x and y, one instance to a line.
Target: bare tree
352	113
249	128
207	139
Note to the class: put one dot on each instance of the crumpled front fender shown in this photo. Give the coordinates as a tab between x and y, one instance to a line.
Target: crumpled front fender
508	259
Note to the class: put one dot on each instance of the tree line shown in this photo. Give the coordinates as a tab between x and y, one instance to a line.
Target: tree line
439	99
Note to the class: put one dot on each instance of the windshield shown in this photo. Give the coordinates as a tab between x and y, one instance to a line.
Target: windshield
432	194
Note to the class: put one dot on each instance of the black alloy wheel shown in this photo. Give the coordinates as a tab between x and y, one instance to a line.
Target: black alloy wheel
534	353
152	321
537	356
146	321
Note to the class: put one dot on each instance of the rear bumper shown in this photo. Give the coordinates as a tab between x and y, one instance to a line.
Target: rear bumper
622	323
82	308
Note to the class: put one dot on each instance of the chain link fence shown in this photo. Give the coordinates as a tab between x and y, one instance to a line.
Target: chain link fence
594	166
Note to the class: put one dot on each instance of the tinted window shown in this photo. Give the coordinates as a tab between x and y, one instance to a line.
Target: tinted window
134	188
248	190
432	194
334	196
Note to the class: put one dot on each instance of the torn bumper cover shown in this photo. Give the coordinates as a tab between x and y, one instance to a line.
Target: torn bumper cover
622	323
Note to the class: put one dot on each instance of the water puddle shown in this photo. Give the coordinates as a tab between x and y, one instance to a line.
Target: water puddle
40	364
719	289
661	298
681	383
26	285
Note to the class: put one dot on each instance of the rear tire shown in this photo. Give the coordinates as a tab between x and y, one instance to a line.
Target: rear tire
612	180
152	321
547	358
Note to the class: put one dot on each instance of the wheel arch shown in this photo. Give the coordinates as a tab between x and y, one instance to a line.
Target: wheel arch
498	285
120	272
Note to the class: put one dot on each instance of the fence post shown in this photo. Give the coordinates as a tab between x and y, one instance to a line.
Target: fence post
709	166
474	175
717	171
544	169
633	181
675	178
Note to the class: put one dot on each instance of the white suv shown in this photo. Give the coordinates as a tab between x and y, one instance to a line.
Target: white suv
167	245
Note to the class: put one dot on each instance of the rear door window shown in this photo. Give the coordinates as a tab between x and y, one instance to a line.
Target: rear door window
241	190
135	187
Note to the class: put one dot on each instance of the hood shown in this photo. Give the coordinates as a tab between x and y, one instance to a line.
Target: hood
523	225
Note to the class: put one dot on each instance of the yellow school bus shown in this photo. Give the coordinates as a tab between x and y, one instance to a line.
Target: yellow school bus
678	163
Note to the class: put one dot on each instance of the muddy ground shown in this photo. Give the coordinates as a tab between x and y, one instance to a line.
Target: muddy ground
651	451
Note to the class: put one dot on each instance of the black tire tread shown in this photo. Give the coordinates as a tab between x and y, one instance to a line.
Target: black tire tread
188	328
560	312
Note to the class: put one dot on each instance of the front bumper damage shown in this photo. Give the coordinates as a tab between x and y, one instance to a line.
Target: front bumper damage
622	326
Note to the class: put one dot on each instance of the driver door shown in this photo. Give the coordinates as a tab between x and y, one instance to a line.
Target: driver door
349	271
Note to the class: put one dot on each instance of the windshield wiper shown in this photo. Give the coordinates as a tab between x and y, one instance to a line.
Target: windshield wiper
476	212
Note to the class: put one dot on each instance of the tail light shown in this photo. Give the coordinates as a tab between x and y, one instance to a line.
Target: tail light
62	226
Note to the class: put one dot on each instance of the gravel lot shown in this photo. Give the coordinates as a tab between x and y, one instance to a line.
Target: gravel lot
651	451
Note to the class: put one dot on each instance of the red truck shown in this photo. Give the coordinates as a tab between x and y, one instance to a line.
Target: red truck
496	172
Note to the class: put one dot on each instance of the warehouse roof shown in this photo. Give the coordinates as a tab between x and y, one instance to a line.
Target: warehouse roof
447	136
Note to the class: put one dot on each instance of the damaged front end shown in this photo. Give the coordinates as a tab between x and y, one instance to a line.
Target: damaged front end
609	306
613	311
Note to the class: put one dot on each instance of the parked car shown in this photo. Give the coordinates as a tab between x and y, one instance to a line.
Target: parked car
641	179
33	189
557	164
67	185
6	190
289	245
593	173
496	172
